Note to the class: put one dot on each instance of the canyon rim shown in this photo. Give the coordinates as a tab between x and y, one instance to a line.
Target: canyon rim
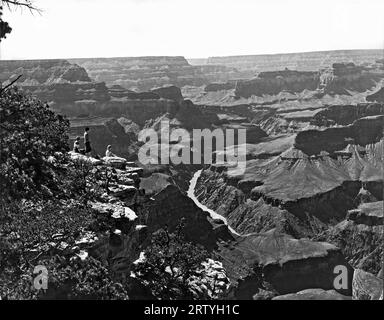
188	158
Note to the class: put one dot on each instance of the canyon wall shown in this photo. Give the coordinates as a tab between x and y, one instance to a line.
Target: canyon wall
304	61
145	73
341	78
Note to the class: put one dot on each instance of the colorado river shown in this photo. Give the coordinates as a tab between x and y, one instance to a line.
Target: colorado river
191	194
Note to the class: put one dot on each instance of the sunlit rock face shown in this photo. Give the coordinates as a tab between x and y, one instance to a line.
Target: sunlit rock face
56	82
42	72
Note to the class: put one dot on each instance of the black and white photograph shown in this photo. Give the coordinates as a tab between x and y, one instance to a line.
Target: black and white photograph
191	156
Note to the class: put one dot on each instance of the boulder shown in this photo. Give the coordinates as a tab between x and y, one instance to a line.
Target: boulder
115	162
80	157
122	192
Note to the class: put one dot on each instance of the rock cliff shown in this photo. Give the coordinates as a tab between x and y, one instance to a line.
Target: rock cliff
341	79
281	264
303	61
359	237
145	73
377	96
42	72
346	114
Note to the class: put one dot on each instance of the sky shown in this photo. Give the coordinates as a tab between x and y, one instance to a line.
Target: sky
191	28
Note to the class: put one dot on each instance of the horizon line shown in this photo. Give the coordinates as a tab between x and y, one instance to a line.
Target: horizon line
198	58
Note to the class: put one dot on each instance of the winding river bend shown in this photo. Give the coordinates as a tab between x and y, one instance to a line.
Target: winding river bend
213	214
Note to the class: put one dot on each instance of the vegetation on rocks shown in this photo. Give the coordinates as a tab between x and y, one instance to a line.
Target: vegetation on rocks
45	212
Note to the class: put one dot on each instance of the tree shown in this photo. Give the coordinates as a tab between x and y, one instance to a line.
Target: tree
33	146
173	268
4	26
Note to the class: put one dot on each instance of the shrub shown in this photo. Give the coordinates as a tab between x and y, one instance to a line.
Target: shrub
33	143
33	234
173	268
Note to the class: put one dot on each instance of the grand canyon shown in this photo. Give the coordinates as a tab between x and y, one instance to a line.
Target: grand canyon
310	199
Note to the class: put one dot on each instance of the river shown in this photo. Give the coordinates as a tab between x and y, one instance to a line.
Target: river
191	194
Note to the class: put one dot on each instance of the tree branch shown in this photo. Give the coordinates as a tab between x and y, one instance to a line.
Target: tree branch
12	82
22	4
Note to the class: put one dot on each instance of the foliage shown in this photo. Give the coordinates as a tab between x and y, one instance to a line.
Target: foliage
106	175
43	207
29	231
82	279
33	143
81	181
67	279
4	26
32	235
173	267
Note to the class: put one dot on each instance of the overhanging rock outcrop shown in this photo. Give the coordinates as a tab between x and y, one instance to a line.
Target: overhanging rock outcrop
282	263
363	131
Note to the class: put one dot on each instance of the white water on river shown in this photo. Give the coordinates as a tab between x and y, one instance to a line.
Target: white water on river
191	194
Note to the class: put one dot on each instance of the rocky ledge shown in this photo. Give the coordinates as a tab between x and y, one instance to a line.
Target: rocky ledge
360	236
366	286
378	96
279	263
313	294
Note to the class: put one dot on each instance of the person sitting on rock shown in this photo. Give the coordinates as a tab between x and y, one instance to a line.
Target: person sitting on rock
76	145
110	154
